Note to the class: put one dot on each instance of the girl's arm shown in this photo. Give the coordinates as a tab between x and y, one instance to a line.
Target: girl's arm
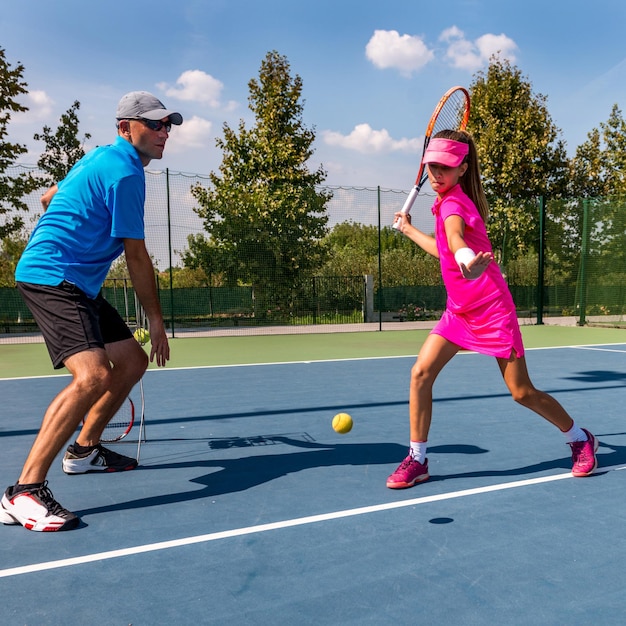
471	264
424	241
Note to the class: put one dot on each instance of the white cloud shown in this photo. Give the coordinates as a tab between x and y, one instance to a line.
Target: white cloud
192	133
367	140
40	107
410	53
471	55
389	49
197	86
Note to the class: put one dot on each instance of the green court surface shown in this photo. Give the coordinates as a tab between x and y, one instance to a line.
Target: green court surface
22	360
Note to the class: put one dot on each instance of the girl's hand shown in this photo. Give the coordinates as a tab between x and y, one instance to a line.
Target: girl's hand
402	220
475	268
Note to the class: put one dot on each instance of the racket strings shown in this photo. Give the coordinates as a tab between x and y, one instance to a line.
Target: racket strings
121	423
453	113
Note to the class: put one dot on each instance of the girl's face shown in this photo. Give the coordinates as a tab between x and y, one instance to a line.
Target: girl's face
442	177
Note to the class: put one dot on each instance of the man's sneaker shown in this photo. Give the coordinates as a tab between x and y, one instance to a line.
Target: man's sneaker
36	510
100	459
584	460
408	473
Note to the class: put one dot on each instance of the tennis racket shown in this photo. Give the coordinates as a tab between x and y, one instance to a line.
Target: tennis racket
120	424
451	113
142	422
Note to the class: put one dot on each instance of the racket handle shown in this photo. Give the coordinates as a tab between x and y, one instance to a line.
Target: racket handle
408	203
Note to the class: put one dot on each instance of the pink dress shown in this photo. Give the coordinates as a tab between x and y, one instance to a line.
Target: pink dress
480	314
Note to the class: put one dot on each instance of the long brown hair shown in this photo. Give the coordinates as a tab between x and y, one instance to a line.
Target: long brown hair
470	182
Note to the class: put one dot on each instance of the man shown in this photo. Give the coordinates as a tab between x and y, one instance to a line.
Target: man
90	218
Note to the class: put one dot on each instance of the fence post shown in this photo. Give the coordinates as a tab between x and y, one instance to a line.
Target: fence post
584	251
541	261
380	268
369	298
169	243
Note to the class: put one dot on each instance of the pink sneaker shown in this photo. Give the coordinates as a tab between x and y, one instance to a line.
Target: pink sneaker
584	460
408	473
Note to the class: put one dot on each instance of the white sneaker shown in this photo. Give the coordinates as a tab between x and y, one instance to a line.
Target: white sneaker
36	510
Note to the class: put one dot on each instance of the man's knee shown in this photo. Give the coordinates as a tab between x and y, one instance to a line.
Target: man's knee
130	357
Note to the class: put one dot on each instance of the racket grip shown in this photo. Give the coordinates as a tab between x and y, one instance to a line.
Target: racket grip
406	208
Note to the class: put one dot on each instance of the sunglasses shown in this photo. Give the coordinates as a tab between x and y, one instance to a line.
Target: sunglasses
156	125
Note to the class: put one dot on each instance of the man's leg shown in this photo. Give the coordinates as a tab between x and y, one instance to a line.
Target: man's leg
92	376
129	363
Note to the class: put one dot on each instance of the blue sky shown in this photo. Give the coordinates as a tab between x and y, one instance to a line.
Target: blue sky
372	71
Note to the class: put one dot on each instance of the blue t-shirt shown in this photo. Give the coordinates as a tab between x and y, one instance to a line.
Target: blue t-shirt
98	204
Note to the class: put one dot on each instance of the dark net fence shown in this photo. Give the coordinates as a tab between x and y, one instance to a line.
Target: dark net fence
577	268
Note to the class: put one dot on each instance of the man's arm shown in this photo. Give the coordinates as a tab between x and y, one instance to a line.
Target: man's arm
141	273
47	197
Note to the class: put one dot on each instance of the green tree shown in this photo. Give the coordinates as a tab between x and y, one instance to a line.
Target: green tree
353	251
13	189
614	156
264	214
587	168
520	153
11	248
201	255
599	165
63	148
598	186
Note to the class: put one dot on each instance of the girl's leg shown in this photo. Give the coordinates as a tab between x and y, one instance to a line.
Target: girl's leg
515	374
584	445
433	356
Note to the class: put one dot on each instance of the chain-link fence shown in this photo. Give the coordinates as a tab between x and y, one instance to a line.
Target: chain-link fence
576	268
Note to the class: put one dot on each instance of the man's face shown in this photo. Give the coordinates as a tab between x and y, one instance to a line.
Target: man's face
148	137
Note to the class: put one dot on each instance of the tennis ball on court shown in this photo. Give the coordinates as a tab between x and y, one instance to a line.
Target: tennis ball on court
142	335
342	423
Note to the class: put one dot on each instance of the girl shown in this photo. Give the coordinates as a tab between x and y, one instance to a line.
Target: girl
480	313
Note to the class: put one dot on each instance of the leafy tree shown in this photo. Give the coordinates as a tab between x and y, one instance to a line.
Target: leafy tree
598	185
11	249
599	165
587	168
184	277
63	148
614	156
520	153
13	189
350	235
264	214
119	269
353	250
201	256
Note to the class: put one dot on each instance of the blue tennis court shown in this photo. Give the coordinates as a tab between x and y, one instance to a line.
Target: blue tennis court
248	508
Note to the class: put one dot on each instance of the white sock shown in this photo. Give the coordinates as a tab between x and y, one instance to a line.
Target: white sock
418	450
575	434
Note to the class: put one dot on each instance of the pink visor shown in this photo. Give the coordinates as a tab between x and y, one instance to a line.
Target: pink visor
446	152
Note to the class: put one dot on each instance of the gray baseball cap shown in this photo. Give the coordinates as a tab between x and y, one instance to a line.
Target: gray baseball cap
141	104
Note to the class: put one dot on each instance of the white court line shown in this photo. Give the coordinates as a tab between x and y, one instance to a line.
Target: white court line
300	521
308	362
598	349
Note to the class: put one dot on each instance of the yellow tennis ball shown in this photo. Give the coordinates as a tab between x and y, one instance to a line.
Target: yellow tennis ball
342	423
142	335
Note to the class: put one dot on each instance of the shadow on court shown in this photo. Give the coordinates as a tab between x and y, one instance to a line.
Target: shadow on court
598	376
236	475
241	474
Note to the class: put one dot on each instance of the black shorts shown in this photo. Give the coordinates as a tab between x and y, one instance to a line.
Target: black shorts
70	321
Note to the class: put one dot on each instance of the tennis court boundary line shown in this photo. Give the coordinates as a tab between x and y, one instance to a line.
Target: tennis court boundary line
589	346
261	528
